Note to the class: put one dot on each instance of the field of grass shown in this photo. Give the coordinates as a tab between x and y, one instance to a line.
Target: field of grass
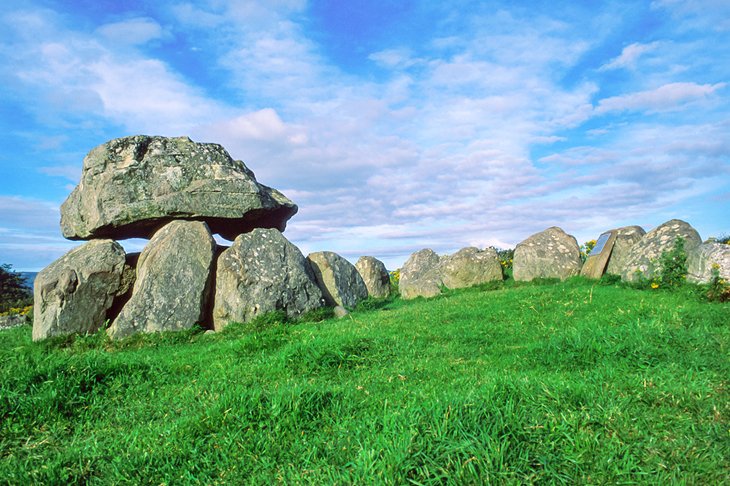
561	383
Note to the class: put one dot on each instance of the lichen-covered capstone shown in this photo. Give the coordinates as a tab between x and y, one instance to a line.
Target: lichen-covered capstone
549	254
643	259
73	294
375	276
339	280
173	282
420	275
132	186
470	266
263	272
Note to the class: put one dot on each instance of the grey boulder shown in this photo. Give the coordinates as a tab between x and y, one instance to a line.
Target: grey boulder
339	280
701	260
549	254
626	237
470	266
132	186
262	272
74	293
420	275
643	259
375	276
173	282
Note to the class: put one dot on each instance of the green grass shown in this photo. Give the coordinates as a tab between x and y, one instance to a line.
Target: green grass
556	382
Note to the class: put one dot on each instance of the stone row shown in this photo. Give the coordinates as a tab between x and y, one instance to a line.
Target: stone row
628	252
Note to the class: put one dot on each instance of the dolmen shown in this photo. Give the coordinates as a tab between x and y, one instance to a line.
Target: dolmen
177	193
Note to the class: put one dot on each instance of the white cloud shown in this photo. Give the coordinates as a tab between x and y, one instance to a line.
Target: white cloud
629	56
667	97
132	31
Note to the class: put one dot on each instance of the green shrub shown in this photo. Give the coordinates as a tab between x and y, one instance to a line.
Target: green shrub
673	264
718	290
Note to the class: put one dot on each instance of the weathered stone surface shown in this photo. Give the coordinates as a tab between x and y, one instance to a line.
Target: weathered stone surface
420	275
643	257
12	320
626	237
263	272
173	282
549	254
701	259
375	276
597	260
74	293
339	280
470	266
132	186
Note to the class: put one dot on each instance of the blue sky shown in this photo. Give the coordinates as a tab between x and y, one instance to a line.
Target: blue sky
394	126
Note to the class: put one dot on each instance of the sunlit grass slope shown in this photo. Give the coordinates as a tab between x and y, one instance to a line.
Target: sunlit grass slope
562	382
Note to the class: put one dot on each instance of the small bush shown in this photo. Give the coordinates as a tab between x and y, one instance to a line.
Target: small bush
586	248
673	266
719	289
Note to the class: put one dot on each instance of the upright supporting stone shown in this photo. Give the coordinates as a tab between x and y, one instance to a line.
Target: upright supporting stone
263	272
173	282
73	294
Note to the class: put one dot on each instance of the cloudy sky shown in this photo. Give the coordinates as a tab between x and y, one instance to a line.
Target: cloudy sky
393	125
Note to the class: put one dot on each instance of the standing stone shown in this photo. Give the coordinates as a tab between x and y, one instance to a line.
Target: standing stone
339	280
263	272
643	258
375	276
701	259
74	293
132	186
549	254
470	266
626	237
420	275
173	282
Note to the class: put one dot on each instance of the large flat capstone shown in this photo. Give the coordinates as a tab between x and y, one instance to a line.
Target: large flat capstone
130	187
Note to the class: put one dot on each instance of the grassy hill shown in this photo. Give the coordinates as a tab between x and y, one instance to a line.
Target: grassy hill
562	382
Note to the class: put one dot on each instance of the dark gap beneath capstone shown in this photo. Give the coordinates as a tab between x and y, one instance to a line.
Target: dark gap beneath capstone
228	228
129	278
209	303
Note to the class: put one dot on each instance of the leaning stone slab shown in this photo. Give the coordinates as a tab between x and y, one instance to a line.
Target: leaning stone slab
626	237
420	275
470	266
263	272
74	293
132	186
339	280
549	254
643	259
375	276
597	260
173	282
701	259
